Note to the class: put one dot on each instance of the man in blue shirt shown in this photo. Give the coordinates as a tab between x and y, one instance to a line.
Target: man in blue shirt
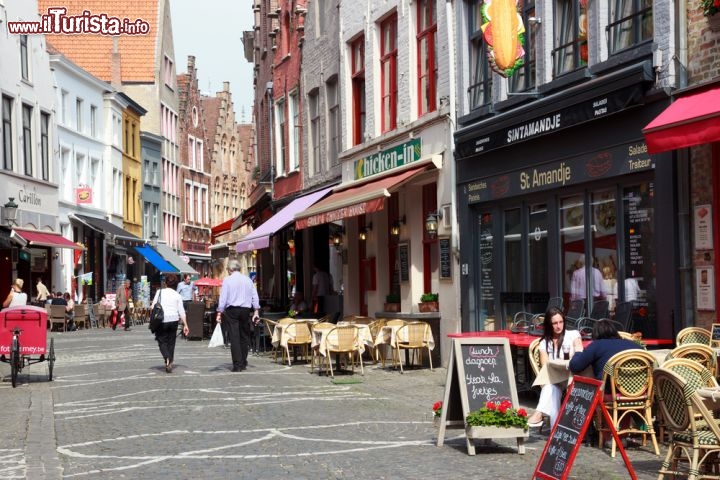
238	299
187	290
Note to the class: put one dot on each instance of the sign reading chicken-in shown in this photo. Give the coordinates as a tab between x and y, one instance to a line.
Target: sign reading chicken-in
504	32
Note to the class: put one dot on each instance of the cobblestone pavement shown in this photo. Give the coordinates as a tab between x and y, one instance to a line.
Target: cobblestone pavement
112	412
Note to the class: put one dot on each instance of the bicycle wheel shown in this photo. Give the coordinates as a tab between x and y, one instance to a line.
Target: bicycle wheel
51	359
14	361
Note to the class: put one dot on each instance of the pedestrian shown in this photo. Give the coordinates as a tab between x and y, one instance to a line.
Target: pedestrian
173	312
122	297
187	290
42	292
238	298
555	342
16	297
69	312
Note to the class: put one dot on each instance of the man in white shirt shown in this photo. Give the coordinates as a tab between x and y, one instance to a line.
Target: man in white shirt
578	288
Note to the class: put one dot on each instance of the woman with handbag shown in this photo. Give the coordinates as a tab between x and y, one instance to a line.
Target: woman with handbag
173	311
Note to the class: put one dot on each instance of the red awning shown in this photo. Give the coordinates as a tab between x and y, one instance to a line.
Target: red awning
349	202
222	229
46	239
690	120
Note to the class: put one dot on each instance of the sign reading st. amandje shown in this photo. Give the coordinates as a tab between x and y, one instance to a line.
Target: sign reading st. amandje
397	156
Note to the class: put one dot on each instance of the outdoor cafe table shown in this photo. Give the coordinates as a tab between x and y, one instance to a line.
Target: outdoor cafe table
321	334
387	335
284	332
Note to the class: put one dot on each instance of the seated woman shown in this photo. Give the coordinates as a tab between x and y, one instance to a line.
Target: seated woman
70	312
555	341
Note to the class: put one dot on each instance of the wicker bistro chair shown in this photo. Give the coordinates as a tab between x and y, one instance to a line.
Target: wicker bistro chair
629	401
299	335
316	330
343	340
375	328
80	316
697	352
389	327
695	436
534	356
693	335
412	336
694	374
57	316
269	326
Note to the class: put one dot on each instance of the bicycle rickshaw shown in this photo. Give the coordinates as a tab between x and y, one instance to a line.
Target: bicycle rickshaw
23	339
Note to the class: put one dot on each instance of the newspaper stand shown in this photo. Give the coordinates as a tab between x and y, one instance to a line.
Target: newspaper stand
23	339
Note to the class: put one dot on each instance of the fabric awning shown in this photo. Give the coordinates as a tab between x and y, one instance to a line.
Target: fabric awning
349	202
690	120
260	237
155	259
110	230
174	259
222	228
46	239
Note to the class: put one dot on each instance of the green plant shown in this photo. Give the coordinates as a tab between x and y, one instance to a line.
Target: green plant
498	415
429	297
392	298
710	7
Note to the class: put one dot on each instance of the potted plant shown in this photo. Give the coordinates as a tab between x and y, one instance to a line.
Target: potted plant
498	420
429	303
710	10
392	303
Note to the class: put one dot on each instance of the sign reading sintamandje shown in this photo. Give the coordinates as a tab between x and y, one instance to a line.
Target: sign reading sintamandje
385	160
620	160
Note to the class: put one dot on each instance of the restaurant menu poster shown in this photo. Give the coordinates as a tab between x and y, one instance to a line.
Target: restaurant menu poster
703	227
705	288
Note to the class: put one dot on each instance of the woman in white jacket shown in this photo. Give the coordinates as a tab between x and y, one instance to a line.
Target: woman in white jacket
174	312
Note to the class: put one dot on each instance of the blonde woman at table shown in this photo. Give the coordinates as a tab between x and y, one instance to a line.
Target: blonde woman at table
555	342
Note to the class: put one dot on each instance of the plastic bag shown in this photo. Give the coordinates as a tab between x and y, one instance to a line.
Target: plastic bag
217	337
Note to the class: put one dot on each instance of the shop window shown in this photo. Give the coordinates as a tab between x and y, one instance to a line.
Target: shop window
479	89
572	241
357	70
388	72
427	56
537	248
524	78
631	23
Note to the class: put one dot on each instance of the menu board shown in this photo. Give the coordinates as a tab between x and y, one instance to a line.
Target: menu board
715	335
567	434
480	371
404	255
487	286
445	258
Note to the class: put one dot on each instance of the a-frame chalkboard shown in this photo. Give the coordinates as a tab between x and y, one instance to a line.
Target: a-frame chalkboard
584	395
480	370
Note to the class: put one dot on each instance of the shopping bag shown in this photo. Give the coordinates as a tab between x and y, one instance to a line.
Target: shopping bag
217	337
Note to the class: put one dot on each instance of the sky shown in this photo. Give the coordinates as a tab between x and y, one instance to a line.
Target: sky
214	37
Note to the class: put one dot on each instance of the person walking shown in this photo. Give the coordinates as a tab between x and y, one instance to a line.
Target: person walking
42	292
322	286
122	297
16	297
173	312
187	290
238	298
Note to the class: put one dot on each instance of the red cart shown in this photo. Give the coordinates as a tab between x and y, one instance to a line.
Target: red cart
23	339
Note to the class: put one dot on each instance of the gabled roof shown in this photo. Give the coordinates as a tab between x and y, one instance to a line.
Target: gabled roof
93	52
211	107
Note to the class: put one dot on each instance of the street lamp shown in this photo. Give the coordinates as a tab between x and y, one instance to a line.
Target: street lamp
431	223
10	211
153	239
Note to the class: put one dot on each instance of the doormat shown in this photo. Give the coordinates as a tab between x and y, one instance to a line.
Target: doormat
345	381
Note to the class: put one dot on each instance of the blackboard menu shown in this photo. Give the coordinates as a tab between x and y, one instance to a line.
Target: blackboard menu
445	258
404	254
486	374
566	437
715	332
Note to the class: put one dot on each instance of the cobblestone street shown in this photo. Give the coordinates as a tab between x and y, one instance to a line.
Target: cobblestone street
112	412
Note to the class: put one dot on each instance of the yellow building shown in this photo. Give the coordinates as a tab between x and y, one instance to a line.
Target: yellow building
132	170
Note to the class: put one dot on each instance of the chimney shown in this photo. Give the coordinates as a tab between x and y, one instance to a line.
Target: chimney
191	63
115	67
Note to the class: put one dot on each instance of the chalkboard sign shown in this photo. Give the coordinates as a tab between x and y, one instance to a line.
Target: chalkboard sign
567	434
404	255
445	258
480	371
715	335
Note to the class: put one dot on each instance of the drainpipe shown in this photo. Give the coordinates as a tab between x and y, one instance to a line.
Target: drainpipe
269	92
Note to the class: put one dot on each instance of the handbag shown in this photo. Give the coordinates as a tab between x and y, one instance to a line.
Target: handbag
157	315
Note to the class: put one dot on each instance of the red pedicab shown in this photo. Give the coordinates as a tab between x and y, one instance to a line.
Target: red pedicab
23	339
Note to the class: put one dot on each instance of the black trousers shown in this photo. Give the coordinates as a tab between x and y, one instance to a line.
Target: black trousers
239	329
165	337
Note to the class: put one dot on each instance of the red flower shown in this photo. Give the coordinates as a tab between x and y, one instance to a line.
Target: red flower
506	404
502	409
490	405
522	412
437	406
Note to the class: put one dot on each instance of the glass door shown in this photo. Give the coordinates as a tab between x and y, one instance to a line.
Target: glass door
537	248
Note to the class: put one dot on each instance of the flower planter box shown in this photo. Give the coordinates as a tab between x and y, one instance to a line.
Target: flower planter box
491	432
425	307
391	307
714	22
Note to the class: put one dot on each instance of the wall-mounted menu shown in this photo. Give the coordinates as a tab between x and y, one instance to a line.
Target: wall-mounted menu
445	258
404	256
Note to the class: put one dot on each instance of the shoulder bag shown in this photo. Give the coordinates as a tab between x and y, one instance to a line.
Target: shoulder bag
157	315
